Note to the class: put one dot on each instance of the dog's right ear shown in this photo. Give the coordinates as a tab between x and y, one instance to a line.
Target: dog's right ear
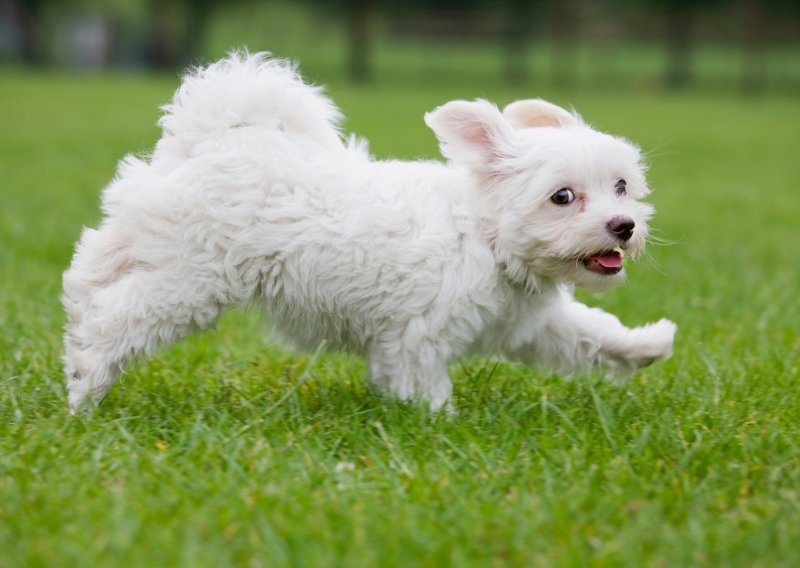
474	134
533	113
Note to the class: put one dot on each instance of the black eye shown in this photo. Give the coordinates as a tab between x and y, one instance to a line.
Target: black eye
620	187
563	196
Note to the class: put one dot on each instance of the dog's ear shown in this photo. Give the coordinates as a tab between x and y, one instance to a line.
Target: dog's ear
532	113
472	133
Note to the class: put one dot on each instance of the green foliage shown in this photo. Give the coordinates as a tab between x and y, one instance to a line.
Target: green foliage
226	450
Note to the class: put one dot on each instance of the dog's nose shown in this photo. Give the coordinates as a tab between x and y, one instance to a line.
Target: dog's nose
621	227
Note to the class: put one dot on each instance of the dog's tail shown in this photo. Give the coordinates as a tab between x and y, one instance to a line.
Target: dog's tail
249	90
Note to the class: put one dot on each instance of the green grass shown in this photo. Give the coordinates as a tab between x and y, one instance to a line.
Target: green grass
226	450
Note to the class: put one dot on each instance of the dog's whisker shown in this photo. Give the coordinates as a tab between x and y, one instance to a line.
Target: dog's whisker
655	240
656	152
651	155
651	260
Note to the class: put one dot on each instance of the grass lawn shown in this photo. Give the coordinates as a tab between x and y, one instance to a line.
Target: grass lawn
226	450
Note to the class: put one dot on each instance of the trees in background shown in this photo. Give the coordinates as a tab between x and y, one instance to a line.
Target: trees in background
28	14
560	23
173	32
679	23
178	29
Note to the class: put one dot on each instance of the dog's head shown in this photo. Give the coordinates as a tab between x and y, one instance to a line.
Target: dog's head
562	199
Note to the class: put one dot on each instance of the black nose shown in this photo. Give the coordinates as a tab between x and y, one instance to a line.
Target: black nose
621	227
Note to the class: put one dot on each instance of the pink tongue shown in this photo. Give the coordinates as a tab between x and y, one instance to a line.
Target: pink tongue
609	260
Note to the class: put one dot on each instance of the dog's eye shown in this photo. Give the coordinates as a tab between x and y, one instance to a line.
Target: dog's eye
563	196
620	187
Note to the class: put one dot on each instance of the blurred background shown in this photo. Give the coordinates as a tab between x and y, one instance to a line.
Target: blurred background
746	45
701	465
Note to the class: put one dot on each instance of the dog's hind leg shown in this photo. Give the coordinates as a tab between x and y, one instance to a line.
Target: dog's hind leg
410	370
131	316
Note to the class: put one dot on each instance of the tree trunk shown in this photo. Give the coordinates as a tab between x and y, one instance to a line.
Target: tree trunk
198	13
358	14
564	59
680	18
516	38
754	61
162	43
29	18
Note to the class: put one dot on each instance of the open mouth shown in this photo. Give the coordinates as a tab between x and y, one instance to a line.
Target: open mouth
607	262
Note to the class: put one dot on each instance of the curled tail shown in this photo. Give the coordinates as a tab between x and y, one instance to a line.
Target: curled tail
249	90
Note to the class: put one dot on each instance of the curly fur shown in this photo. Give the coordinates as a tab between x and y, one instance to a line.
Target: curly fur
252	196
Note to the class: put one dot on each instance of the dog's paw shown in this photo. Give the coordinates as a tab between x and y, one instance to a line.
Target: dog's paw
646	345
77	393
652	343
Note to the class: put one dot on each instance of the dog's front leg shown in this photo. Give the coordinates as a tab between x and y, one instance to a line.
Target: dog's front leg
574	338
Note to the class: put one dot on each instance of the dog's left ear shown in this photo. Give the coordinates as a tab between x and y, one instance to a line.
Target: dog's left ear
533	113
474	134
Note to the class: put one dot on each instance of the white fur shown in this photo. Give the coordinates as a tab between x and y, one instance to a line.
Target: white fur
252	197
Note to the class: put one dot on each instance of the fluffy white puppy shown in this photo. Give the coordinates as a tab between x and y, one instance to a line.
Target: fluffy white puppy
253	197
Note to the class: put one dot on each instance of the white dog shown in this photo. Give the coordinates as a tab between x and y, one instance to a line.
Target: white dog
252	197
